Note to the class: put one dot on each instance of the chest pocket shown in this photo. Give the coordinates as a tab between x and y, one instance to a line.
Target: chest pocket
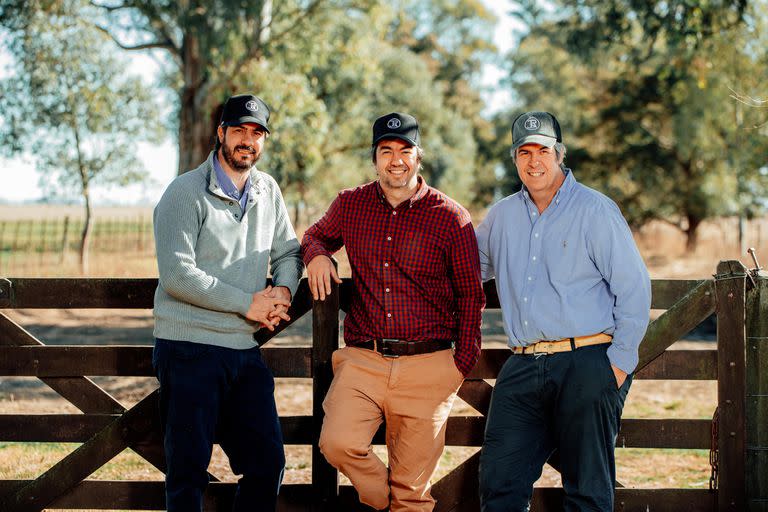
421	253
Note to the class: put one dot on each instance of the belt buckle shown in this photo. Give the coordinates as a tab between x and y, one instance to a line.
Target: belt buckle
384	344
545	350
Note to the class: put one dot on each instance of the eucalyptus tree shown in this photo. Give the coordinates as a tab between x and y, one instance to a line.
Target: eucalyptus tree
326	67
68	104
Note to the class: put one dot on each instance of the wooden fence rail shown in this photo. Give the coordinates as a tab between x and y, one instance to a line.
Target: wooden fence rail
106	427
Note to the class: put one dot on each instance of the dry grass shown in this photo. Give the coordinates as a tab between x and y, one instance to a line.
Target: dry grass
57	211
662	247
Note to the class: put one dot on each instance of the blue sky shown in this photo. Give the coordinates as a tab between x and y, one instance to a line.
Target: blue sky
21	177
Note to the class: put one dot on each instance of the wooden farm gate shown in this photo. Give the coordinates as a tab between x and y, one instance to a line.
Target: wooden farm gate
106	428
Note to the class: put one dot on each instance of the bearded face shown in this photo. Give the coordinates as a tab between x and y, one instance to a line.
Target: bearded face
241	146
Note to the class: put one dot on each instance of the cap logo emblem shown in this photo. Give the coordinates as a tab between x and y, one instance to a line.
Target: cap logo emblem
532	124
393	123
252	106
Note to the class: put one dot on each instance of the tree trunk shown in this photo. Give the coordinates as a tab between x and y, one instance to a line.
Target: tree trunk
86	233
301	202
85	183
691	233
196	129
742	234
296	213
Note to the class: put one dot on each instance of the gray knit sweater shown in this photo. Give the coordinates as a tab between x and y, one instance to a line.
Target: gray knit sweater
212	257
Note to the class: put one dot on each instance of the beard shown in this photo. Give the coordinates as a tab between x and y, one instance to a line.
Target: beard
236	163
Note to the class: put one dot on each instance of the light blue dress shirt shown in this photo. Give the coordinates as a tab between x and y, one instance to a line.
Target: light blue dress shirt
573	270
228	187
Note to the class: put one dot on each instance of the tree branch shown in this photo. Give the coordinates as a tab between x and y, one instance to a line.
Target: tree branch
677	225
110	8
155	25
301	15
167	44
160	25
344	149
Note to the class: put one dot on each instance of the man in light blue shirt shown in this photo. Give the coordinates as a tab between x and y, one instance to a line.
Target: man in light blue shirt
575	299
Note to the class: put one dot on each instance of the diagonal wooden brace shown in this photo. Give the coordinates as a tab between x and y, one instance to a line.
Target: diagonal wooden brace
677	321
80	391
134	424
477	394
83	393
458	490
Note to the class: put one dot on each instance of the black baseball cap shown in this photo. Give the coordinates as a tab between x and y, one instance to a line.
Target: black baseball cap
396	126
245	108
535	128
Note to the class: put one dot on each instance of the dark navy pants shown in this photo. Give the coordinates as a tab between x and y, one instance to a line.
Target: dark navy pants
209	394
567	402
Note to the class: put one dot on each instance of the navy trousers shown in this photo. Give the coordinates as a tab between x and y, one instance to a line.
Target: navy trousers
567	402
210	394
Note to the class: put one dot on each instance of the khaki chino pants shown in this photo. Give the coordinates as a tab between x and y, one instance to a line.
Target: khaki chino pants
414	394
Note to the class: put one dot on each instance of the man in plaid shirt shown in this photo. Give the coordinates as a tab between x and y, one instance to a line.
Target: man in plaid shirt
412	331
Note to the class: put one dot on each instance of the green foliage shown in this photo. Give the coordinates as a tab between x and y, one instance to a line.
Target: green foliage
328	68
644	94
69	105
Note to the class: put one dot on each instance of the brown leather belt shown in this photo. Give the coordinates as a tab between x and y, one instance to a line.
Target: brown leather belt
564	345
389	347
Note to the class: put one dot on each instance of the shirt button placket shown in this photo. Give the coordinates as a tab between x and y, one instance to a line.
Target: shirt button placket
390	230
534	263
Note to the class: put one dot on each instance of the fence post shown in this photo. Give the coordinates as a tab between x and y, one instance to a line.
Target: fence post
64	240
3	269
730	293
43	246
325	339
757	395
14	245
140	235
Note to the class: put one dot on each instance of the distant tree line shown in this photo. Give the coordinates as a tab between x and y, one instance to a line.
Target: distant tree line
642	89
645	91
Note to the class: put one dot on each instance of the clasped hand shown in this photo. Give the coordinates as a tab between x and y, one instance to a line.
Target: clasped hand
270	306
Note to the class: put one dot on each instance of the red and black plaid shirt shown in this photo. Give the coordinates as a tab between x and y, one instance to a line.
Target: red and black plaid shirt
415	268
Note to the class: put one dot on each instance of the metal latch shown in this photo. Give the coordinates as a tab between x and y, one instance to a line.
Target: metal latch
754	272
6	288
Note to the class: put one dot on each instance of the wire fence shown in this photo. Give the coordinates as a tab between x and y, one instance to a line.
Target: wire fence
38	246
124	245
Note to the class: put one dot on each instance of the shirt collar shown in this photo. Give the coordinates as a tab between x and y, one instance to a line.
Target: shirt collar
226	184
420	192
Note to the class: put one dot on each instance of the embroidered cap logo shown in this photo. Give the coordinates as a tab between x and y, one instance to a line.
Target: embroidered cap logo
532	124
393	123
252	106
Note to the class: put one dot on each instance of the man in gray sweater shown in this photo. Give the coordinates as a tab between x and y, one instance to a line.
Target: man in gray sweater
217	230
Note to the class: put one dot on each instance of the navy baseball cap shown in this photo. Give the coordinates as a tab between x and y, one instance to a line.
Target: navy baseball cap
396	126
535	128
245	108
